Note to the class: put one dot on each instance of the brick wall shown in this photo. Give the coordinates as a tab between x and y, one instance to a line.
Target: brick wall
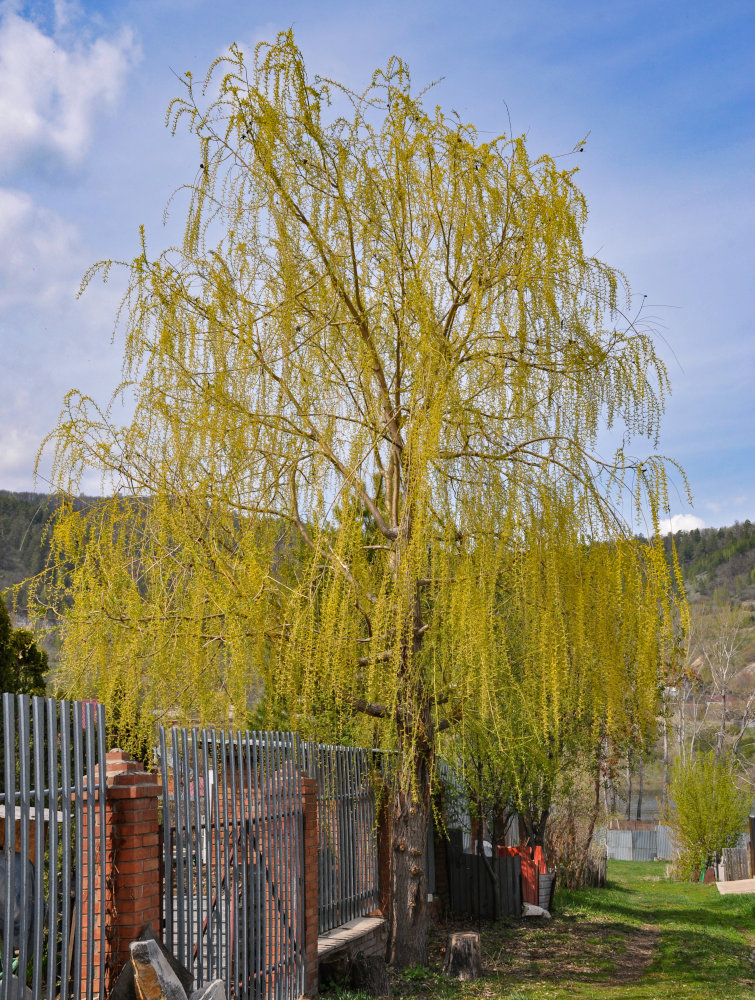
131	865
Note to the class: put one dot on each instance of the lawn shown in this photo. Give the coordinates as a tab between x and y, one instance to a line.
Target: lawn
643	937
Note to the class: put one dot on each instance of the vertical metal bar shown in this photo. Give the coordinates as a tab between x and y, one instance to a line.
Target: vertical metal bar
291	879
38	736
188	846
197	853
234	886
226	897
286	900
266	750
323	822
335	868
280	787
52	846
66	805
78	774
254	903
217	855
24	786
324	834
178	778
9	748
300	901
280	791
101	783
244	813
207	855
275	811
341	885
351	843
167	846
90	776
356	821
261	882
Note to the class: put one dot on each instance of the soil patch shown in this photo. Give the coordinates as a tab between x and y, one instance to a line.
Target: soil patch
562	949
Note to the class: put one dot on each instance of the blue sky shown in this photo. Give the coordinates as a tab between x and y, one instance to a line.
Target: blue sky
664	89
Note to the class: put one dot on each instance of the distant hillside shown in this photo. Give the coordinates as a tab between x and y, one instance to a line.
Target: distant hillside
717	562
23	521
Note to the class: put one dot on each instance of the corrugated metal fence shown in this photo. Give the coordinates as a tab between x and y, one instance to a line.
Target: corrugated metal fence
348	844
638	845
53	765
233	854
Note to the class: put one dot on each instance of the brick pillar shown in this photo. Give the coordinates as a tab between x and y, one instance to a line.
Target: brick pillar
311	886
132	863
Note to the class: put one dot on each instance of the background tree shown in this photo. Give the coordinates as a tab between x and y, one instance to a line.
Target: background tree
708	810
23	664
367	389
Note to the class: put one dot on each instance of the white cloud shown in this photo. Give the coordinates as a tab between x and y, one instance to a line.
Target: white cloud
53	85
17	458
680	522
42	254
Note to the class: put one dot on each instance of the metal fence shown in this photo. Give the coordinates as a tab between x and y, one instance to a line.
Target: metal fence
233	859
52	823
638	845
348	867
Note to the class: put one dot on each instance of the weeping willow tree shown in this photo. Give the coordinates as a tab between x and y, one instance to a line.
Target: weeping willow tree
367	389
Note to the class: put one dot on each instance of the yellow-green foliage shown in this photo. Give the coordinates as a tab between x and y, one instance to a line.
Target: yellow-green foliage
359	472
707	812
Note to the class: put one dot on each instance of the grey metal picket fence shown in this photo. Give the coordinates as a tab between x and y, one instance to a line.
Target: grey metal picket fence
233	859
53	825
348	866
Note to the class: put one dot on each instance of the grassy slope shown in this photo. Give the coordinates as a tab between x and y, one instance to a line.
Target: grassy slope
641	938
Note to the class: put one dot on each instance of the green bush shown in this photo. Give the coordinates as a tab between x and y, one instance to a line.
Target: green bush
707	810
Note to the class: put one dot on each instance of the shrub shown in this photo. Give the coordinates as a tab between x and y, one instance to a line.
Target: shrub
707	810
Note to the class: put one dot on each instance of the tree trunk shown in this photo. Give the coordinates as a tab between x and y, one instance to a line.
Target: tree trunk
629	788
664	801
408	903
491	867
721	734
534	827
591	827
641	782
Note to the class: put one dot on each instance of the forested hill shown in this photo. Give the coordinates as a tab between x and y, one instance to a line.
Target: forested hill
714	561
717	562
23	520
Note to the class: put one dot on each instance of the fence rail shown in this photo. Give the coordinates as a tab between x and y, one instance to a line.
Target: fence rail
348	868
52	825
233	859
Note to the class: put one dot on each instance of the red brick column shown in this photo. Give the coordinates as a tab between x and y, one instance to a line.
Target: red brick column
131	863
311	886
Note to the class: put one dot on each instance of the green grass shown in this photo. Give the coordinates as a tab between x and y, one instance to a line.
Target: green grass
643	937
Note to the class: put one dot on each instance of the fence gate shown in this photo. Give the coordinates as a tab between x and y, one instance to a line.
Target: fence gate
233	855
52	826
347	856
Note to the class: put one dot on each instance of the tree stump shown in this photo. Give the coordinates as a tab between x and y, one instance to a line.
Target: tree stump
370	974
463	956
